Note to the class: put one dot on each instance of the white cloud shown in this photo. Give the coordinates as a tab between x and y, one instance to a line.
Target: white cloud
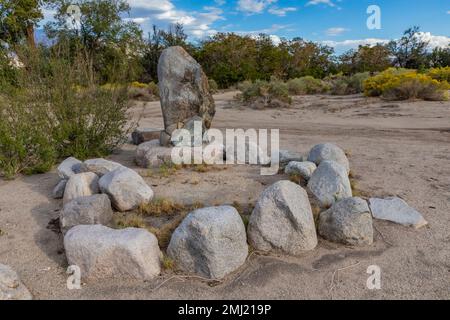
354	43
163	12
154	5
254	6
325	2
336	31
281	12
220	2
434	41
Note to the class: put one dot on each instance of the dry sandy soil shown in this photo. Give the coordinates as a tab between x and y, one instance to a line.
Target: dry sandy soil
399	149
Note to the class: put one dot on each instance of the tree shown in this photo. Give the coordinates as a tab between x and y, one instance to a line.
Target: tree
18	20
229	58
366	59
308	58
440	57
113	43
410	51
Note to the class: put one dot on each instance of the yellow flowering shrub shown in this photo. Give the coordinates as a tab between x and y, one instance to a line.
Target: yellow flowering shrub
137	84
440	74
402	84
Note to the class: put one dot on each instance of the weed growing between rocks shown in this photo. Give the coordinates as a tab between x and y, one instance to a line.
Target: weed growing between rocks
160	217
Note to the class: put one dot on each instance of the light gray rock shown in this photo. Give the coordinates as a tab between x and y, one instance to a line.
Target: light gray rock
210	242
184	90
396	210
302	169
330	183
151	154
102	253
100	166
126	189
69	167
329	151
94	209
11	288
287	156
282	220
81	185
141	135
348	221
58	191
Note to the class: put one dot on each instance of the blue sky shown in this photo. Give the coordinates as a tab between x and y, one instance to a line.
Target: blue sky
340	23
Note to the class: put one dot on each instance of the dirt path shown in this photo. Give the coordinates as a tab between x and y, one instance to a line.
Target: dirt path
400	149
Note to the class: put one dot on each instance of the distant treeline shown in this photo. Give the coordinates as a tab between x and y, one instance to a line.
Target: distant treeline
115	44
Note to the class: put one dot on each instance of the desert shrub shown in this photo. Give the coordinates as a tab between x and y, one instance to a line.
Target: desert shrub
373	86
262	94
440	74
213	86
137	84
143	91
26	142
154	89
306	85
415	86
58	110
244	85
406	84
343	85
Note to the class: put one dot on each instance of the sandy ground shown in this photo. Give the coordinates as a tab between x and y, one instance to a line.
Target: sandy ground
400	149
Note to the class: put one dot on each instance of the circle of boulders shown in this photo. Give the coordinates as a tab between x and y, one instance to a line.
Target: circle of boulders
213	242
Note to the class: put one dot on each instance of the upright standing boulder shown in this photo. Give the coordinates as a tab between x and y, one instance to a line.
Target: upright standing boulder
210	242
282	220
184	91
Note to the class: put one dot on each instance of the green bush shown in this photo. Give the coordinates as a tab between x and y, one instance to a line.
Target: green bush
262	94
213	86
58	110
306	85
344	85
244	85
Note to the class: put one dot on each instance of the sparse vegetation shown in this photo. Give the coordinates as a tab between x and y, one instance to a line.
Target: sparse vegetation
58	110
307	85
213	86
263	94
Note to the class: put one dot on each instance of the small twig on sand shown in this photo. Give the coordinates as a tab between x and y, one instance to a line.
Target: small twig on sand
183	278
336	274
382	236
